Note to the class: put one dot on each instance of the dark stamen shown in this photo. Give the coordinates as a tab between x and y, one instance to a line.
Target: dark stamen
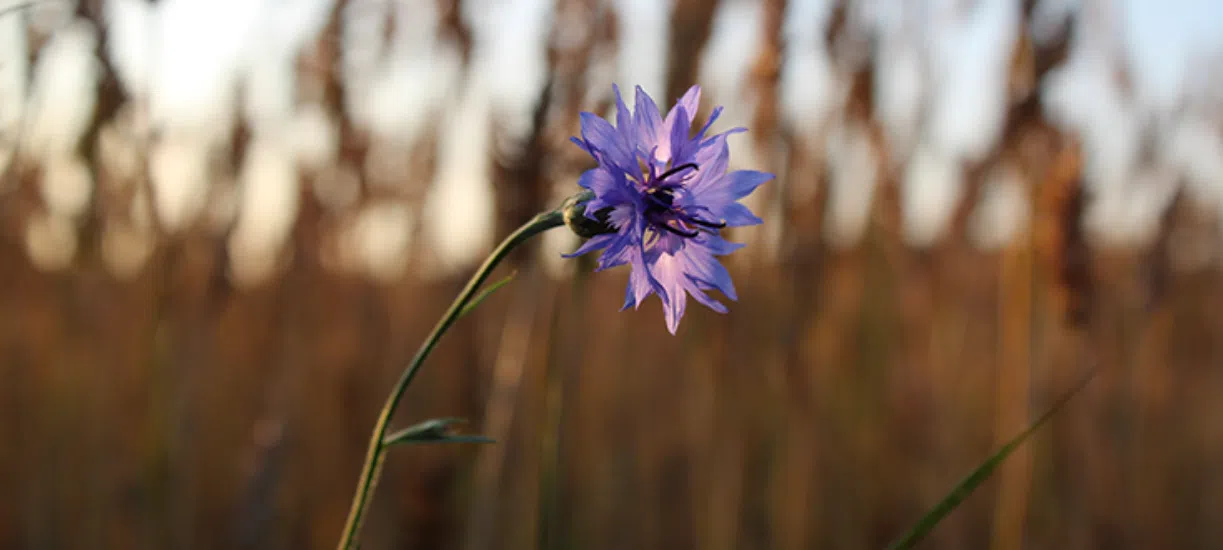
679	231
662	197
703	223
677	169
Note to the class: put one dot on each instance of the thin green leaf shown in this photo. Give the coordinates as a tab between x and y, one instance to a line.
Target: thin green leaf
437	430
978	476
485	294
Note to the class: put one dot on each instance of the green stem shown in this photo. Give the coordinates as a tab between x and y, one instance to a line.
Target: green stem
376	453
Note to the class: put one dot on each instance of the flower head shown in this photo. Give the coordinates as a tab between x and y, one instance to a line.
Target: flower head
664	195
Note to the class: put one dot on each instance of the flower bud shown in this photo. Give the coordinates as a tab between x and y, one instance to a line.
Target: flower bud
583	225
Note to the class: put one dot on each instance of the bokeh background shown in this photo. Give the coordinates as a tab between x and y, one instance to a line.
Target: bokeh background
225	225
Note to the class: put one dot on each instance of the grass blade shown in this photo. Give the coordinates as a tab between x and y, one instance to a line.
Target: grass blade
485	294
982	473
437	430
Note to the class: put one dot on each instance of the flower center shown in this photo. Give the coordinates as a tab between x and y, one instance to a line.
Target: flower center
662	213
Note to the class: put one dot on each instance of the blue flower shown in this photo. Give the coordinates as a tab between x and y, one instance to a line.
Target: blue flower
664	195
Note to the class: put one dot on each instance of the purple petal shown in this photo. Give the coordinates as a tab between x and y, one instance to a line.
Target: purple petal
691	146
649	260
703	267
718	246
717	112
630	298
669	243
670	273
707	301
713	160
620	250
737	215
721	138
641	279
595	243
597	180
601	135
674	311
654	284
624	118
690	102
582	144
649	122
639	287
679	133
610	190
621	215
731	187
741	183
726	134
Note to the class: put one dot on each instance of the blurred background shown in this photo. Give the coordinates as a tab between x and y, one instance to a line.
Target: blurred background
225	225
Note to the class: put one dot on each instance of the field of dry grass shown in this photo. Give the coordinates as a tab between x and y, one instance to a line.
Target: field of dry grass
844	394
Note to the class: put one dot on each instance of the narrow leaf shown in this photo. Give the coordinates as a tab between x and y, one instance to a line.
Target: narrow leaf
485	294
982	473
437	430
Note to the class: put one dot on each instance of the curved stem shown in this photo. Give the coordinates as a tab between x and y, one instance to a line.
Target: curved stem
376	453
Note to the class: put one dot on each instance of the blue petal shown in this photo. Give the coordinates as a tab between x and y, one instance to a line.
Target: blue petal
599	134
670	273
689	105
669	243
741	183
679	133
648	121
707	301
621	215
653	285
692	145
717	112
674	311
718	246
619	251
597	180
595	243
641	281
713	160
690	102
716	193
726	134
703	267
624	118
630	299
737	215
645	260
640	286
609	187
582	143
